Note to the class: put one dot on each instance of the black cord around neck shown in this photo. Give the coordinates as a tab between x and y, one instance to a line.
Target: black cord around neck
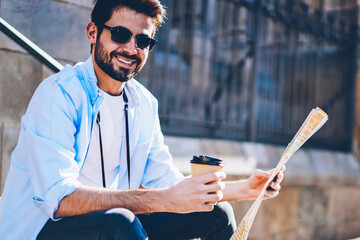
127	135
101	151
127	141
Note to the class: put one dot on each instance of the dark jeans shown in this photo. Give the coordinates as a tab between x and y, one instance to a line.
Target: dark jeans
120	223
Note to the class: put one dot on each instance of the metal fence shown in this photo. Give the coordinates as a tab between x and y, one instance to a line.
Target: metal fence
253	70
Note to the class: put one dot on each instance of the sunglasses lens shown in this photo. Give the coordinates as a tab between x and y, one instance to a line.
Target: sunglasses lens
120	35
143	42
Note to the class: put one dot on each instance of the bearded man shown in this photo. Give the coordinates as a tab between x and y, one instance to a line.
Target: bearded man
91	162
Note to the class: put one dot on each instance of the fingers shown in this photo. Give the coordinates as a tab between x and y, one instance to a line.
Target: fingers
272	190
271	194
279	177
196	193
206	207
208	201
262	174
274	186
213	198
210	187
210	177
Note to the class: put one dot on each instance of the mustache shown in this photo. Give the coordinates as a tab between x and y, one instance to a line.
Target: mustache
125	55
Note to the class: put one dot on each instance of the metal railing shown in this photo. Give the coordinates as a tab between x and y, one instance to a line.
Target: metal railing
29	46
253	70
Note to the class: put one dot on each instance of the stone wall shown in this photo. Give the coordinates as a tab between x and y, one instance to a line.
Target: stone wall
58	27
20	74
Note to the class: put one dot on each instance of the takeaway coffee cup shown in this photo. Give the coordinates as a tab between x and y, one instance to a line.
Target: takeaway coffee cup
201	165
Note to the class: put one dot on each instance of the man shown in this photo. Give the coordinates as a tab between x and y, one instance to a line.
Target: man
91	137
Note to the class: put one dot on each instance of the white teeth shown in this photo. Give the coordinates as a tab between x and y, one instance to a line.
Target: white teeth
122	60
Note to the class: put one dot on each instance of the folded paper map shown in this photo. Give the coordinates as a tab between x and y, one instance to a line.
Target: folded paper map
313	122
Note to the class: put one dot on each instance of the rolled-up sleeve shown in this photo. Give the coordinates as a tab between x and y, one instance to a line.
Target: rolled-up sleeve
50	127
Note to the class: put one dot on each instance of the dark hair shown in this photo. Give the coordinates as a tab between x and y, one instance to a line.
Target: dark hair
104	9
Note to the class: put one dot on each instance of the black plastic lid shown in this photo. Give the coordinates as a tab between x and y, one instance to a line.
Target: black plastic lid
207	160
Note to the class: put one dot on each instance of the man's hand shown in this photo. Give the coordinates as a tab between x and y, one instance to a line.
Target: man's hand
258	179
251	187
192	194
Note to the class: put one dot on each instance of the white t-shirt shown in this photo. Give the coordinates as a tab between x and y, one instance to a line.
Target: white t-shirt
112	124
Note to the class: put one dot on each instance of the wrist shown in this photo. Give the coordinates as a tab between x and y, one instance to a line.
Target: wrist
250	194
236	190
244	190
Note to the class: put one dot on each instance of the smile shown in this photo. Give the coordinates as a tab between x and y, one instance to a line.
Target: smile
129	63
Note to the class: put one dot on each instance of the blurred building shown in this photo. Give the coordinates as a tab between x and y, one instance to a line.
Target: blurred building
235	79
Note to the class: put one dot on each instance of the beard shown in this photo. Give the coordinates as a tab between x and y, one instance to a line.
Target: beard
104	60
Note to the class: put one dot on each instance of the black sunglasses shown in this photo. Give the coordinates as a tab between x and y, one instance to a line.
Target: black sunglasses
121	35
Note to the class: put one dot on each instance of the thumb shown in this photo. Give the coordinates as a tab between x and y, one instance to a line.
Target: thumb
262	174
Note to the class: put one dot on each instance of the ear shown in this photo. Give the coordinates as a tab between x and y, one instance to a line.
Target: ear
91	31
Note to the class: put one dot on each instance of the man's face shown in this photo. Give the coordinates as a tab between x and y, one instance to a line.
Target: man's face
123	62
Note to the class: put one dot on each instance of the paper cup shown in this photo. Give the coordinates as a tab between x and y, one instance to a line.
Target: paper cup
201	165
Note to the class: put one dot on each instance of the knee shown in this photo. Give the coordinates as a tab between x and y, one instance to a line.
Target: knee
121	223
224	214
119	215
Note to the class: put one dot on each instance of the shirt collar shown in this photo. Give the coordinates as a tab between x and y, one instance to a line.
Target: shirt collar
88	74
131	93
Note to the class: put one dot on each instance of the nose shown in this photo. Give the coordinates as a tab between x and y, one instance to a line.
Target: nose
130	47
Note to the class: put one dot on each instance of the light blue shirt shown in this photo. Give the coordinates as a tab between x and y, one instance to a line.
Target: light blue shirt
53	144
